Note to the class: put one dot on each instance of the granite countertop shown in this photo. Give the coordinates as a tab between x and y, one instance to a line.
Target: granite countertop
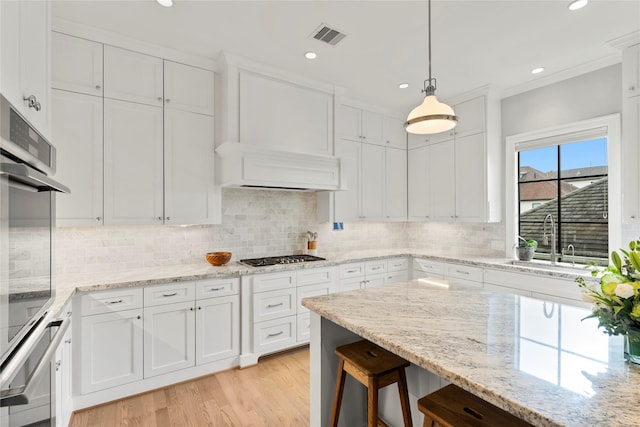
535	359
67	285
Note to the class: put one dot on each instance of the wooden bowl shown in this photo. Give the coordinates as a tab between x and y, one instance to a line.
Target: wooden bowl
218	258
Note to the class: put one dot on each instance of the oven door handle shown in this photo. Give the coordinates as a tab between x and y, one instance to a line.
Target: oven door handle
24	174
21	395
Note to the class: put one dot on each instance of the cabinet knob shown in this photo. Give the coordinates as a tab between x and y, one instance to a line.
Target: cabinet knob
32	102
364	137
168	218
632	217
167	100
98	87
98	218
159	218
160	98
191	308
632	88
138	317
67	341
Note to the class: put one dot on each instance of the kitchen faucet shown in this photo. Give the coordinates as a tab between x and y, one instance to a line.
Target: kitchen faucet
552	255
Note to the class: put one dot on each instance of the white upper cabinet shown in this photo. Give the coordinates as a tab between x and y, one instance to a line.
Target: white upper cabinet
281	115
188	88
631	71
76	64
25	46
77	135
418	185
357	124
470	188
471	117
133	163
396	184
347	203
372	182
393	133
442	181
189	191
132	76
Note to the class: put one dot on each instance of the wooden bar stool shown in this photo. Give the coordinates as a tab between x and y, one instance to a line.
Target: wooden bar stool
451	406
375	368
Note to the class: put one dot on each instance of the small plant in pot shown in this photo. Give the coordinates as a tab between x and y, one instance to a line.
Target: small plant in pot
525	249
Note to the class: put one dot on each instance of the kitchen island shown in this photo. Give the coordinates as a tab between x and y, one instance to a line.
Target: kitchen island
537	360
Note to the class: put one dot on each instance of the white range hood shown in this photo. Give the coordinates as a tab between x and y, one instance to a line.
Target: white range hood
243	165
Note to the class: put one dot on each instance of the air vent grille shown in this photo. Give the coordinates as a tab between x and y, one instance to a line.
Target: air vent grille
329	35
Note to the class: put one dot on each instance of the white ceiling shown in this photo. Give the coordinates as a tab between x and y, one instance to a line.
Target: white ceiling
474	42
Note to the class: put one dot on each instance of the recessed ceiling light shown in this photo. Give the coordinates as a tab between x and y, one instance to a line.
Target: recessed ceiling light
310	55
537	70
165	3
403	85
577	4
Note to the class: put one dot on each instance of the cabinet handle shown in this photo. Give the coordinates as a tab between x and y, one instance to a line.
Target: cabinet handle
159	218
58	363
190	308
275	305
462	272
167	100
168	218
275	335
352	271
67	341
160	98
632	217
98	87
172	294
139	317
376	268
632	88
32	102
118	301
199	308
397	265
216	289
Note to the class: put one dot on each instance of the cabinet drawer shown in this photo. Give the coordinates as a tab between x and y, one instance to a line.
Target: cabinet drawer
269	282
397	264
217	287
303	327
375	267
355	269
169	293
431	268
315	276
311	291
274	304
351	284
535	283
109	301
274	335
397	276
464	272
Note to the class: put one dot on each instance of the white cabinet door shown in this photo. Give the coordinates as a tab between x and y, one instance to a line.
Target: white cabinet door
348	122
64	366
470	178
132	76
418	185
347	203
396	183
393	133
217	329
189	191
471	117
441	181
133	163
25	57
631	71
373	181
76	64
188	88
631	158
110	349
372	128
77	133
169	338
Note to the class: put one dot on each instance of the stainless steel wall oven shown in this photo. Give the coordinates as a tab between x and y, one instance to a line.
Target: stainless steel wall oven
28	334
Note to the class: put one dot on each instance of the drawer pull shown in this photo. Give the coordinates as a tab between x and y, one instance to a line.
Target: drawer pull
275	305
376	268
352	271
398	265
462	272
118	301
171	294
275	335
216	289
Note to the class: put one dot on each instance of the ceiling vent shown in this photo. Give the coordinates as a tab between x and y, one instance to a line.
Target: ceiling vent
329	35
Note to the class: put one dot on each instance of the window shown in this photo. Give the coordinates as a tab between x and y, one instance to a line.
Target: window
569	182
571	172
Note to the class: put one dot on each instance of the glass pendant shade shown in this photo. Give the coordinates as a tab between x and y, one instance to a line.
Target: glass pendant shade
432	116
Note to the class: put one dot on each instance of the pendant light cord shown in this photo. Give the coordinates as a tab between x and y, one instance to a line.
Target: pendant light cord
429	20
430	84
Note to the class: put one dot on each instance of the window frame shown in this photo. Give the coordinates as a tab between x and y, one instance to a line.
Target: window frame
530	140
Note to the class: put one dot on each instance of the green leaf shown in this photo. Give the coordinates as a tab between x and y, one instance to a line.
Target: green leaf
634	257
617	262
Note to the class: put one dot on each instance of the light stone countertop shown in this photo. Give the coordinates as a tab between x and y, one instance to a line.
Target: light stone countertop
537	360
67	285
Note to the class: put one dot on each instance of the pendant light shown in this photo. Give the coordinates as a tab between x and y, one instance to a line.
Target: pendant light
432	116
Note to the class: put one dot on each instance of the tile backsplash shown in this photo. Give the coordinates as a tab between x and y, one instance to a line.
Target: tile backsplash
259	223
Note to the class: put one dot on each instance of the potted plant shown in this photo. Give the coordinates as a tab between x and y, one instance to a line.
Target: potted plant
525	249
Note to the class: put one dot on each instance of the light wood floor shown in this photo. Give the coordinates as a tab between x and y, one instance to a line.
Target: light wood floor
273	393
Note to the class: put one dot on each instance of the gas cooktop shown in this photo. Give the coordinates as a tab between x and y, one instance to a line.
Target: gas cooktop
284	259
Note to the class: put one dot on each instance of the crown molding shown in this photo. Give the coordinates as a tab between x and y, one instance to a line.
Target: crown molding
626	40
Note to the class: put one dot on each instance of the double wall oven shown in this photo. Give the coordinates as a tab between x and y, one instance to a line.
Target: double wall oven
29	335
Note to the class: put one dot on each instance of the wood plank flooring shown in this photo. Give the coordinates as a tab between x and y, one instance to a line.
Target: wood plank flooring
273	393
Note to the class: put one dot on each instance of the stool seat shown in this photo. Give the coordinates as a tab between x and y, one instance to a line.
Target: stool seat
375	368
452	406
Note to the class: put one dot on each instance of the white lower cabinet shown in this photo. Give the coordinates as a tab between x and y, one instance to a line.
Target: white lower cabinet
169	338
154	336
464	274
367	274
426	268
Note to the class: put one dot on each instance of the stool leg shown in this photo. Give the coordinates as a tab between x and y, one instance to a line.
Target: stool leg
372	402
337	399
428	422
404	399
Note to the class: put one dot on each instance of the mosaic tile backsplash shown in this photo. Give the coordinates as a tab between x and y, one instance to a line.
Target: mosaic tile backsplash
258	223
